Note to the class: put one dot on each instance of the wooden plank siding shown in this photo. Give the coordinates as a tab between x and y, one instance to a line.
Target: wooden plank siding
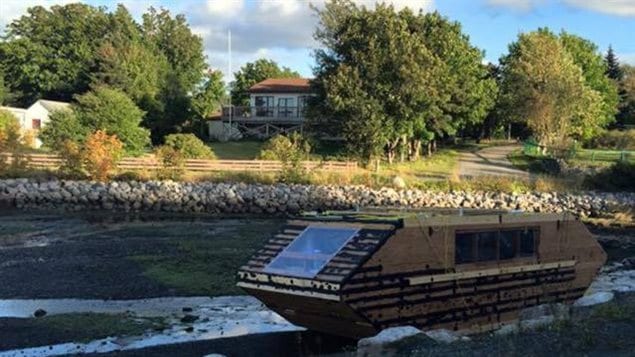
406	274
149	162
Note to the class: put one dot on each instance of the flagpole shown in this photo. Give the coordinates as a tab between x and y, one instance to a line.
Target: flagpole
229	71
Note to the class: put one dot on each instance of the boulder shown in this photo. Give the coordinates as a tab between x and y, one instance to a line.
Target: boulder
594	299
389	335
445	336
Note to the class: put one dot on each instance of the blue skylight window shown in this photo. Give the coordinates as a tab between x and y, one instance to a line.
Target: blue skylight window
310	251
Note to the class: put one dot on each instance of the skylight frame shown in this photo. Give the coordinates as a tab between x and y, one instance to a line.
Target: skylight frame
322	258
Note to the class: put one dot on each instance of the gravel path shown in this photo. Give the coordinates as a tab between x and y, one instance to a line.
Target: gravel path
490	161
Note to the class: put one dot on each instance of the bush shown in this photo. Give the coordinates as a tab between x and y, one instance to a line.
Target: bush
190	146
72	158
63	126
101	153
104	109
618	177
172	162
615	139
11	142
290	151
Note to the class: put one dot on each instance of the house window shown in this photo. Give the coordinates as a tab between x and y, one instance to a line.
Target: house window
495	245
303	100
286	107
36	124
310	251
264	106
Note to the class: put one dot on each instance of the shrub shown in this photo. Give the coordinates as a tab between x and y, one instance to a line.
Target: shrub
190	146
615	139
28	139
11	142
618	177
172	162
72	158
63	126
101	153
290	151
104	109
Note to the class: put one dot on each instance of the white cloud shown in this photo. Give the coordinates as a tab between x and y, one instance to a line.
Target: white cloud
278	29
225	7
627	58
518	5
612	7
280	26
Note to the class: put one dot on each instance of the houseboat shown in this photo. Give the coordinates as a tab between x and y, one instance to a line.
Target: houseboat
355	273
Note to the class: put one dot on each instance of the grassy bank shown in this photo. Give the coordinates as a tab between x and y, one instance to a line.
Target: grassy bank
79	327
204	262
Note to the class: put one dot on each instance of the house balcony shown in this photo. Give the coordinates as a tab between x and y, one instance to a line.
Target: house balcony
263	114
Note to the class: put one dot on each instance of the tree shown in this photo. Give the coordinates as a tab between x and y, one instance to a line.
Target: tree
4	92
112	111
49	52
183	51
63	126
208	97
254	72
389	81
544	88
585	55
63	51
105	109
613	69
626	116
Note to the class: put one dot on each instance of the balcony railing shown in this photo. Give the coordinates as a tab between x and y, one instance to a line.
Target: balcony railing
264	112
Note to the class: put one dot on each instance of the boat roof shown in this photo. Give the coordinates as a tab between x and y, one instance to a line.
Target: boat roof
369	236
372	229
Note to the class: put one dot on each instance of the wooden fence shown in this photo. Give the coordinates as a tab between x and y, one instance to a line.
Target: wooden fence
149	162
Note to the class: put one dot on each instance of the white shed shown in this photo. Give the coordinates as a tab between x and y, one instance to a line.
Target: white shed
37	115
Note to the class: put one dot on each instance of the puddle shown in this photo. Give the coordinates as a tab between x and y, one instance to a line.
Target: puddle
218	317
143	308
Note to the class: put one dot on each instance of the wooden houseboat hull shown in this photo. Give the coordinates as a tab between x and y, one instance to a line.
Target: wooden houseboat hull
417	271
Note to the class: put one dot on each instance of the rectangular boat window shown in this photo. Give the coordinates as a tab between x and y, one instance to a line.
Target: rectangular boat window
310	251
507	244
527	243
487	246
464	247
495	245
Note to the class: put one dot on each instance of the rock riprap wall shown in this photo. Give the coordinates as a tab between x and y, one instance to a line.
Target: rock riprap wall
281	198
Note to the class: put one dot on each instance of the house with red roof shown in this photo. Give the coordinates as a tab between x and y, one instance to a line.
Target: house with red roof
276	106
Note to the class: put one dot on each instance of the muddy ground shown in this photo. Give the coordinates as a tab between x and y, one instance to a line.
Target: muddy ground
99	256
49	255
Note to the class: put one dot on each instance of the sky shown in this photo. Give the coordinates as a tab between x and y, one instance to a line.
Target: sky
282	29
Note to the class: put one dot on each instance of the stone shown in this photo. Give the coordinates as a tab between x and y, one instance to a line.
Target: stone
594	299
188	319
398	182
389	335
443	335
39	313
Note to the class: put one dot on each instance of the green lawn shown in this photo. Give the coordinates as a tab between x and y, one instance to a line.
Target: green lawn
441	165
237	150
205	262
593	158
582	158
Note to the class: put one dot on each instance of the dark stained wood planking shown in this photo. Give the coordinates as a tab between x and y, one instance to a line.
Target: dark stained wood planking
369	282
